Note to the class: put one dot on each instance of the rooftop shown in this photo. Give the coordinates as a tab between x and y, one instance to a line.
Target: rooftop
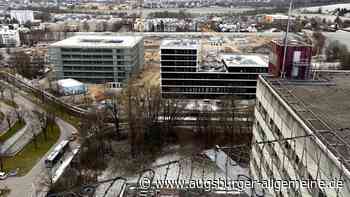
324	106
291	42
99	41
69	83
237	60
179	44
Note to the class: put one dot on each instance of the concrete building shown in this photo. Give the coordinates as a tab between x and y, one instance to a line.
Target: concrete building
9	38
301	132
97	58
22	16
185	74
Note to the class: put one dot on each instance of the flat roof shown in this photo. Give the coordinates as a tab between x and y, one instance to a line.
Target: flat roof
99	41
238	60
179	44
291	42
69	83
324	106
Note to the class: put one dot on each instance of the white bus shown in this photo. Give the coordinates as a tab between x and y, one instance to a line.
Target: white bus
56	154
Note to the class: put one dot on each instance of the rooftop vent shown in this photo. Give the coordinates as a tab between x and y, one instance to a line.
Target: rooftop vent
115	41
91	40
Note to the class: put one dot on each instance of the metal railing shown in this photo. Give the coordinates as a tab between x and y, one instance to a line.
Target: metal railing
45	96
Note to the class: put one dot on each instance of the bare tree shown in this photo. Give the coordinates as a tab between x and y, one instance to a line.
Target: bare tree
172	112
92	156
2	90
9	121
114	109
12	95
85	26
320	41
335	51
34	136
44	120
19	114
143	106
1	158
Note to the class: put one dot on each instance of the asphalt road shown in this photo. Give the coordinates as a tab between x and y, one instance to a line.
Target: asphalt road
33	182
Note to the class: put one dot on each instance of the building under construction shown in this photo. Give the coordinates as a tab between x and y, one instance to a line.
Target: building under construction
189	72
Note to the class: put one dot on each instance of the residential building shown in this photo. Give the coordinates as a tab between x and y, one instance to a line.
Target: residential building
185	74
301	133
97	58
9	37
22	16
277	19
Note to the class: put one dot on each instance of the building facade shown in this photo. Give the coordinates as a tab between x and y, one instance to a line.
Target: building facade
185	74
22	16
299	134
297	61
9	38
97	58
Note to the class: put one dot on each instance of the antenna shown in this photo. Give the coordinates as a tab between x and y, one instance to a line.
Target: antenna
286	40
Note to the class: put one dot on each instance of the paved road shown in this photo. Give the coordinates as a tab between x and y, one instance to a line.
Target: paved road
24	186
22	137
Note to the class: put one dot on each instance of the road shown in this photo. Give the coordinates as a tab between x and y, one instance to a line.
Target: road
23	136
25	186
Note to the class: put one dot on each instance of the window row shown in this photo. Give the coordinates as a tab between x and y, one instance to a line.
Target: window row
88	56
178	51
209	76
248	69
209	90
175	57
179	63
88	68
208	83
178	69
76	62
87	50
91	74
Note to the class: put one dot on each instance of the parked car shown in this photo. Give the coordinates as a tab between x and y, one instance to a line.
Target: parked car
13	173
3	175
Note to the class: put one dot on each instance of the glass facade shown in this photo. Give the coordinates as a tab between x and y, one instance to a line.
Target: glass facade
97	65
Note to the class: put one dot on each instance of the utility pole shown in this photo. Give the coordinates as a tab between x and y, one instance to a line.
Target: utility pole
286	40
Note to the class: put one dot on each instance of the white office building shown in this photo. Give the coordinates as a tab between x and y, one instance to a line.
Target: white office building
22	16
9	38
97	58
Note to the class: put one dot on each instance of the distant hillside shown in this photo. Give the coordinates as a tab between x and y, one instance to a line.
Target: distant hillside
283	3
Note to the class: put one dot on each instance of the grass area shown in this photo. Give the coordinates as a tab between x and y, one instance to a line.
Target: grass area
10	103
4	191
12	131
29	156
60	112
